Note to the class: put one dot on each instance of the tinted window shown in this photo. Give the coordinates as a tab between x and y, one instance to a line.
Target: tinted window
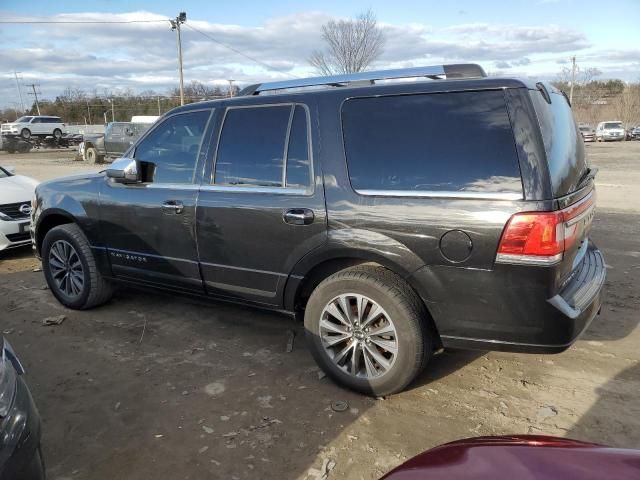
563	143
37	120
251	148
298	162
173	147
435	142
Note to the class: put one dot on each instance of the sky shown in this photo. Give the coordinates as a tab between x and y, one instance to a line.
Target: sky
529	38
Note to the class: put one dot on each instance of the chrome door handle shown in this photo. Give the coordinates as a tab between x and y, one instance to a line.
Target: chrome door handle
298	216
172	206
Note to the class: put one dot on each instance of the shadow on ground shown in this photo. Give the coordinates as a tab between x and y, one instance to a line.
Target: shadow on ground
614	419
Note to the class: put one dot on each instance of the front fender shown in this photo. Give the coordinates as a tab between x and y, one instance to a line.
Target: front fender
75	199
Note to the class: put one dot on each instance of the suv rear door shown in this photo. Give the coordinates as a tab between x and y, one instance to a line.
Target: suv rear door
571	185
262	208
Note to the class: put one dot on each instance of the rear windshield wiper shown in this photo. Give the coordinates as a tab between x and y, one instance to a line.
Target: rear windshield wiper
588	174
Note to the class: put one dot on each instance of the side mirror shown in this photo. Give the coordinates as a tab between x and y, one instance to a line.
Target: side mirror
11	169
124	170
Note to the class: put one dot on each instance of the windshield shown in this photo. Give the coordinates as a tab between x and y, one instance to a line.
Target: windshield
585	129
609	125
24	120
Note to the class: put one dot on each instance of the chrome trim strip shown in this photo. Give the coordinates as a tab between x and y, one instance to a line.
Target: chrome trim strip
161	257
441	194
428	71
586	213
533	260
253	189
244	269
501	342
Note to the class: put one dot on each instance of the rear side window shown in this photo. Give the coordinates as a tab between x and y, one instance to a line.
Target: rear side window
563	143
264	146
441	142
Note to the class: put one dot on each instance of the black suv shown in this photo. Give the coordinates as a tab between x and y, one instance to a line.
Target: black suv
396	217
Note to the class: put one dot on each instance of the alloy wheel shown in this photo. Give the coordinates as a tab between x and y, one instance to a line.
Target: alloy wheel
66	268
358	335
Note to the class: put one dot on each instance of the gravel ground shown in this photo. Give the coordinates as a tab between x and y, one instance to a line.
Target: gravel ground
151	384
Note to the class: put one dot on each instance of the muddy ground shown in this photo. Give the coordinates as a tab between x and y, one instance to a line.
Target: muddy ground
152	386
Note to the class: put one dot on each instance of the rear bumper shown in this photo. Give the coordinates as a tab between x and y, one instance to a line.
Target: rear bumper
507	308
20	455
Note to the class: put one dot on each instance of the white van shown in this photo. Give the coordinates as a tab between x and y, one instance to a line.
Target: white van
612	130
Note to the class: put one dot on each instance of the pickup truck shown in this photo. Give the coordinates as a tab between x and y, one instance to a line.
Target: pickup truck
113	143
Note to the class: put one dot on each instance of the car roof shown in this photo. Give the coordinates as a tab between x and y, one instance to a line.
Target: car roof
392	88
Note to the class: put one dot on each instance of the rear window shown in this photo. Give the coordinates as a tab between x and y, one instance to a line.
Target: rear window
609	125
563	143
441	142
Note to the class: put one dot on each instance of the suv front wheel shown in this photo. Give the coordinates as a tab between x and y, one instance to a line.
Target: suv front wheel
70	269
367	330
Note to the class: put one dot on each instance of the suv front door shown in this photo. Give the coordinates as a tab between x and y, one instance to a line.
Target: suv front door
149	227
262	209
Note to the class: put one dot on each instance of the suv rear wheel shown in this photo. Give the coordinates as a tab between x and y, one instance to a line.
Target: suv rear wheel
367	330
57	134
70	269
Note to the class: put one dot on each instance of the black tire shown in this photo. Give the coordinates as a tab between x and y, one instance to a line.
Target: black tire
25	133
409	317
57	134
91	155
95	289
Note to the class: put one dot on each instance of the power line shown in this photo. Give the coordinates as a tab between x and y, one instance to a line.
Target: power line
266	65
22	22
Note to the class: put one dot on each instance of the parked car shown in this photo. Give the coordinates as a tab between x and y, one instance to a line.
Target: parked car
20	453
16	192
357	207
610	131
114	142
34	126
634	133
588	134
534	457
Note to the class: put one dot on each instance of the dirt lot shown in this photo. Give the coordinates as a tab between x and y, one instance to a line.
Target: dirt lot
152	386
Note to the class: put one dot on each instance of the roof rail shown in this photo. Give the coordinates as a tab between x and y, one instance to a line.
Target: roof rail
435	72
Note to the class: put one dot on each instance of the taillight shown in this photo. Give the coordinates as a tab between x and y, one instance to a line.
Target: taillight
541	238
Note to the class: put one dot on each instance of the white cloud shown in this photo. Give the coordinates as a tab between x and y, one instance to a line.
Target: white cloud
142	56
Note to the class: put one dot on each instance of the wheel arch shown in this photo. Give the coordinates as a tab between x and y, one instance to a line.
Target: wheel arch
312	270
49	220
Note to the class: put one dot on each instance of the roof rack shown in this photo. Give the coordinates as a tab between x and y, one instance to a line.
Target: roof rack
434	72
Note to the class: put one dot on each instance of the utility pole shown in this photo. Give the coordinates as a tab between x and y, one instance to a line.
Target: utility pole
159	106
35	94
230	87
175	25
88	110
573	78
113	112
19	90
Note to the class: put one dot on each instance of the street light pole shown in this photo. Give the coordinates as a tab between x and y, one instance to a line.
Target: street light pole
573	78
175	25
230	87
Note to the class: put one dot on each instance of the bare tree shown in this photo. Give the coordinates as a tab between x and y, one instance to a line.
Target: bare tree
352	45
627	105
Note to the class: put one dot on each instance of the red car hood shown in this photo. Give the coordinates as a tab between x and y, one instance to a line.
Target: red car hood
522	457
